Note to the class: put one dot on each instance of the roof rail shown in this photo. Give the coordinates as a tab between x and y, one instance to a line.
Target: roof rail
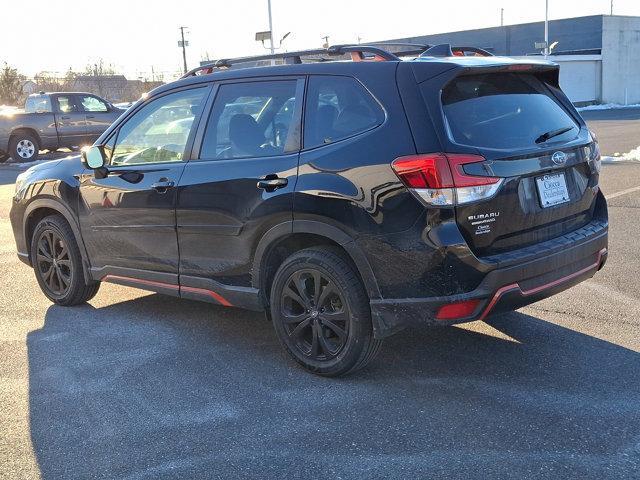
357	53
446	50
379	51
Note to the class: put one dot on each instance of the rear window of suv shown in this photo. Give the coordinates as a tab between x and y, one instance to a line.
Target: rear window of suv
338	108
503	111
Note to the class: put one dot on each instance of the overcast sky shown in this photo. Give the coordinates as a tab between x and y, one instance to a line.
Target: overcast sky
135	35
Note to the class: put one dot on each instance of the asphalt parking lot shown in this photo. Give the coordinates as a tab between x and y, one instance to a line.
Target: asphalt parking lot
617	130
137	385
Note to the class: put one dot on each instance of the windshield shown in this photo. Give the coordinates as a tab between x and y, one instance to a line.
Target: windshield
504	111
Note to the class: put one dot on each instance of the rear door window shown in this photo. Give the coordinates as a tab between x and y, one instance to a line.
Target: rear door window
253	119
338	108
504	111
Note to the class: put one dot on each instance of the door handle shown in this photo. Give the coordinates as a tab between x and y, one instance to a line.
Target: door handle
91	116
163	185
65	118
272	182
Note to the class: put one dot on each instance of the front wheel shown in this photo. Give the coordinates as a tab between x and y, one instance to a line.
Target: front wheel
321	312
57	262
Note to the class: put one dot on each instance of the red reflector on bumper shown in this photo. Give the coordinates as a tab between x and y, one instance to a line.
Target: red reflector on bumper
457	310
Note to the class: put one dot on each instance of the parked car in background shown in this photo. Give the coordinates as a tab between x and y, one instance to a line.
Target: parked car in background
348	200
54	120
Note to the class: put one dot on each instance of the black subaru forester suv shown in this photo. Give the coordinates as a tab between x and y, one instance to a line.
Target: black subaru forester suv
347	199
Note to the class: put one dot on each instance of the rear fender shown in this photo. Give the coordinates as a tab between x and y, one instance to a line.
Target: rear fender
334	234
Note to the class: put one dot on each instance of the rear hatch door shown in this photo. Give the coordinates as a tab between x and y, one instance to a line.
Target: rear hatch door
518	120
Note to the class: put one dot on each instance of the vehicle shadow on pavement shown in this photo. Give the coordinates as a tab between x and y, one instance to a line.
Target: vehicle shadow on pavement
160	388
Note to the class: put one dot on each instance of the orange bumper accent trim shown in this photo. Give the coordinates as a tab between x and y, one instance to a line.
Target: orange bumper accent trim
526	293
149	283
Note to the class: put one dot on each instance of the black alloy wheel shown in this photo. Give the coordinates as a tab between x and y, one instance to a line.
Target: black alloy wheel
320	311
315	315
56	259
53	263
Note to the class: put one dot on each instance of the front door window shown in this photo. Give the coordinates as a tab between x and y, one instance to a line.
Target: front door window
159	131
93	104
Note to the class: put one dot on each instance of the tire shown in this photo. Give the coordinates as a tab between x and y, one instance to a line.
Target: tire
24	147
328	329
59	270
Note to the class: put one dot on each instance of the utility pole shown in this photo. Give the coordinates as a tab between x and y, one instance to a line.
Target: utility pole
183	44
502	17
546	29
270	27
611	7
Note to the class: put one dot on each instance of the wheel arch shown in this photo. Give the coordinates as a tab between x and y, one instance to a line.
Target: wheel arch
284	239
42	208
16	131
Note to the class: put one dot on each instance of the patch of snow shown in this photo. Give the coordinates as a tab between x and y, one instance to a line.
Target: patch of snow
24	165
607	106
632	156
8	109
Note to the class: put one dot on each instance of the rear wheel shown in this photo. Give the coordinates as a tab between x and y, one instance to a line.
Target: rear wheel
321	313
24	147
58	264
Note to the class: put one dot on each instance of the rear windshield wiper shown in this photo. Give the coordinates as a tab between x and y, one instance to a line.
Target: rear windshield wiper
553	133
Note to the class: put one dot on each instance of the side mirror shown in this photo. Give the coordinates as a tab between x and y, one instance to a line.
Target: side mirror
93	157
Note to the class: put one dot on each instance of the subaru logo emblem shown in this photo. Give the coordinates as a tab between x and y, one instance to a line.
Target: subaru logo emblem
559	158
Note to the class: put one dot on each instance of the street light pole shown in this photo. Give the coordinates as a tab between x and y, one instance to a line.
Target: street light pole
184	49
270	27
546	29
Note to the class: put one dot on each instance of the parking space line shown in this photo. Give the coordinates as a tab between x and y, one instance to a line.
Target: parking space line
622	192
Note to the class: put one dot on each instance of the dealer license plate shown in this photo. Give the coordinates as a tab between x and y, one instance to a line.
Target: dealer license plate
552	189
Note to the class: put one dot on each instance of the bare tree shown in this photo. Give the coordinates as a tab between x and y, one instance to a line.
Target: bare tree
69	79
99	71
99	68
47	81
10	85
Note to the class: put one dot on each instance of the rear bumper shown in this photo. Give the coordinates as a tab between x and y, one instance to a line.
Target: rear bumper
519	279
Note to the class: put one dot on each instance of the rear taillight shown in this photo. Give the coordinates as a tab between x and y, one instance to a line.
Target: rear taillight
592	152
440	179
